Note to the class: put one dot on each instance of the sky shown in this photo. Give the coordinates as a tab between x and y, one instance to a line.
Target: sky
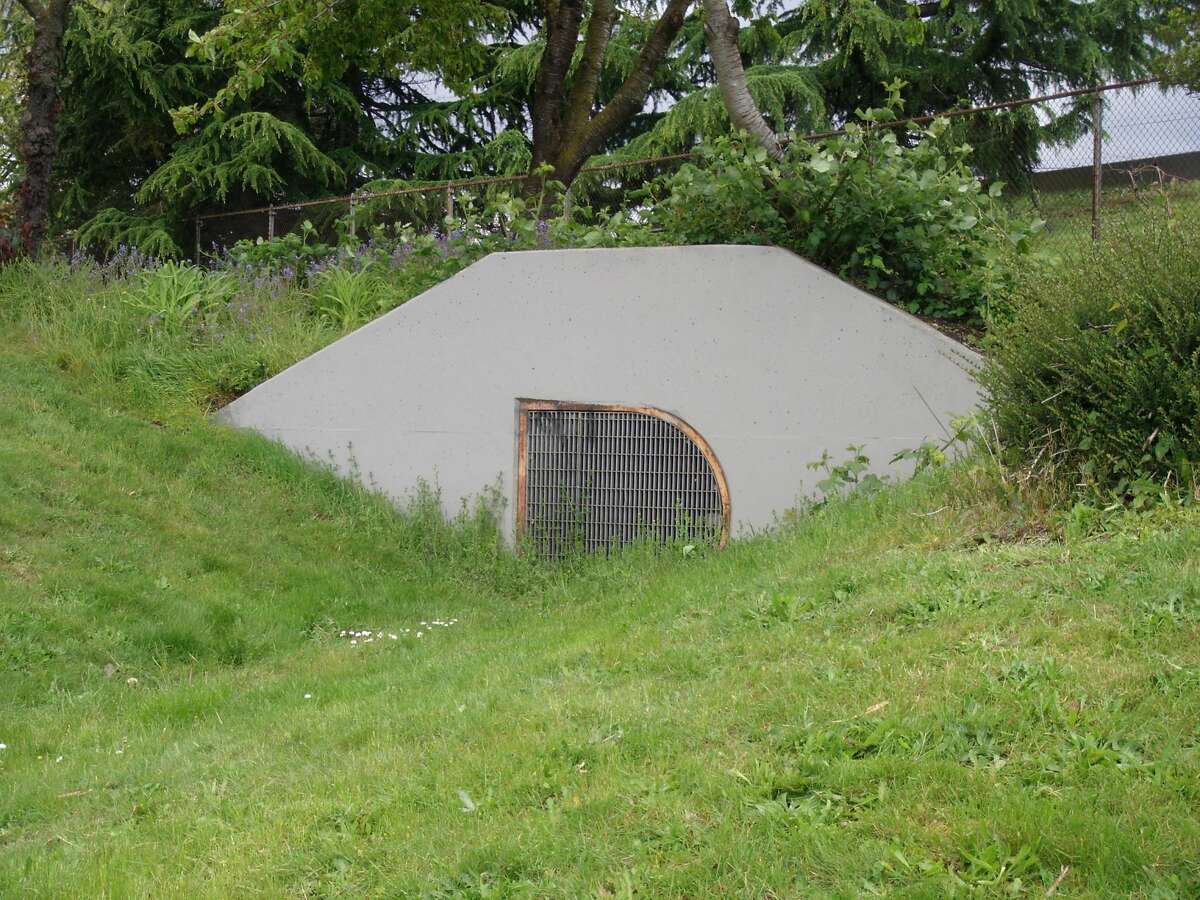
1137	124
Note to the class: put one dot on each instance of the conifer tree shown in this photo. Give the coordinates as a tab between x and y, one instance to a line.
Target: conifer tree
1181	33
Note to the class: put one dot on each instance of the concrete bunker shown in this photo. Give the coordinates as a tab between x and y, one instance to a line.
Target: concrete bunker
675	391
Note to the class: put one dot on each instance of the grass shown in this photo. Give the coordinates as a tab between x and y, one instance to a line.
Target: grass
1124	211
890	696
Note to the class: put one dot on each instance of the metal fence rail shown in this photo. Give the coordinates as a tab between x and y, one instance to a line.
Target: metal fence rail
1136	150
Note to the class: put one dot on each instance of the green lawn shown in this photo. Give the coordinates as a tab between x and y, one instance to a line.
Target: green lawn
892	697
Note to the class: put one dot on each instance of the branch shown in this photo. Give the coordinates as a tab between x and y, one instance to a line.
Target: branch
722	29
30	7
587	76
562	34
631	95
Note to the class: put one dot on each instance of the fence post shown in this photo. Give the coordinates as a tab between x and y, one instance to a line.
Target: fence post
197	240
449	201
270	223
352	211
1097	160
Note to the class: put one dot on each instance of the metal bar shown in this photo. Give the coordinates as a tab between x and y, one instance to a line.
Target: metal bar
271	224
993	107
1097	162
522	471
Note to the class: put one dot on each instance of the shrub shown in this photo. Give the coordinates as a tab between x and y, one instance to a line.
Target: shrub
175	294
290	255
905	218
1093	371
346	298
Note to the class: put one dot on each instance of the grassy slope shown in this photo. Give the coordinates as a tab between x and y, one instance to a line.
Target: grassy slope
872	701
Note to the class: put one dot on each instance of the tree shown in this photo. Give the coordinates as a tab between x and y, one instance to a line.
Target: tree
951	51
572	111
973	52
290	100
13	41
1181	34
202	105
127	66
39	119
567	126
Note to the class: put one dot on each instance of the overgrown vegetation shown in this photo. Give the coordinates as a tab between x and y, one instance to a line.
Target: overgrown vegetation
227	672
911	224
204	694
176	337
1181	35
318	100
1094	369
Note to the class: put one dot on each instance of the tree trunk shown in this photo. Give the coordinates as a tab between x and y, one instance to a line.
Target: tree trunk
39	119
562	34
721	29
567	129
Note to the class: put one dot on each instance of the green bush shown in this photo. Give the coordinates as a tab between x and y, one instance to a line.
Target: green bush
905	218
1093	371
289	254
347	298
176	294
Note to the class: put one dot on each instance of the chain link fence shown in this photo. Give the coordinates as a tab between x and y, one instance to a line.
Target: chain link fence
1082	160
1137	157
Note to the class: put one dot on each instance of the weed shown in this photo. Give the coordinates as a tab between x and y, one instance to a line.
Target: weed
346	298
177	294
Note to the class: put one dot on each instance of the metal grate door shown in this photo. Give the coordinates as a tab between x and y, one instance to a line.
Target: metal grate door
594	477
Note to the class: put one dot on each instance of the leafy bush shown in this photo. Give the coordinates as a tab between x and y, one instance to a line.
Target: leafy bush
290	254
1093	372
909	222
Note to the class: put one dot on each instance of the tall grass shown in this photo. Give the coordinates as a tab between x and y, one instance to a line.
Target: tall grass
908	692
1093	371
125	336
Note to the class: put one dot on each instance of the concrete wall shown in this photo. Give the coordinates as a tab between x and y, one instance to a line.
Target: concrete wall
772	359
1183	166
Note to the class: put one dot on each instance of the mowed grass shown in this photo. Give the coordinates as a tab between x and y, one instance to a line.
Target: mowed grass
885	698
